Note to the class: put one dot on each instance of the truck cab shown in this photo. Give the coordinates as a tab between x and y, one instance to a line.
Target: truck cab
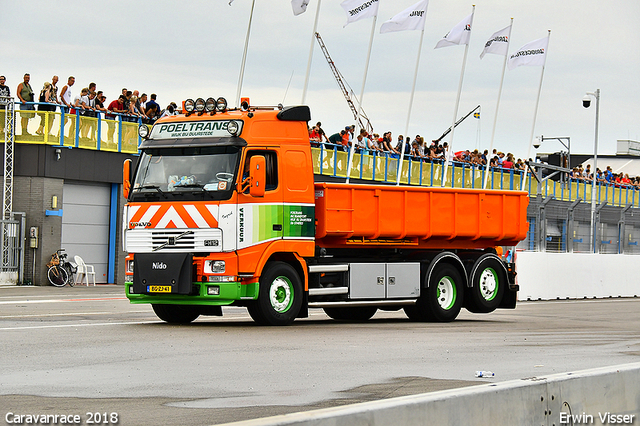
216	197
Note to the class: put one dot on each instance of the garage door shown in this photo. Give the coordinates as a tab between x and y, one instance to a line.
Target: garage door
85	224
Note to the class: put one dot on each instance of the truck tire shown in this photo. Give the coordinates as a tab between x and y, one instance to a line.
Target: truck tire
442	300
360	313
279	297
488	284
176	314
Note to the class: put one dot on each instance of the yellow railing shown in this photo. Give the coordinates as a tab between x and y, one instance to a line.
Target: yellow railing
45	127
383	168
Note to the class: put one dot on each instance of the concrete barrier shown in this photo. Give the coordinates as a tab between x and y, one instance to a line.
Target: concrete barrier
546	276
612	393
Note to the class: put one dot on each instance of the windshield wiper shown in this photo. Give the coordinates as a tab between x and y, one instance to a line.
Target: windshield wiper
156	187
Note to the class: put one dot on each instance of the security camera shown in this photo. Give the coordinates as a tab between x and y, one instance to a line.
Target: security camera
586	101
537	141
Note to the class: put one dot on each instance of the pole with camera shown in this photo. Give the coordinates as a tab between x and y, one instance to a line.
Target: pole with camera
540	139
586	102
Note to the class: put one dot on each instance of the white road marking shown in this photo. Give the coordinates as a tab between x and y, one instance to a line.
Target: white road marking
77	325
71	313
90	299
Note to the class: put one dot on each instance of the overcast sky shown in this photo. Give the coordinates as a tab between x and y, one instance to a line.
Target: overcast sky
194	49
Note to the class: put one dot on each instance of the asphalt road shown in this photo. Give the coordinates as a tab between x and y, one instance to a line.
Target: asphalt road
87	350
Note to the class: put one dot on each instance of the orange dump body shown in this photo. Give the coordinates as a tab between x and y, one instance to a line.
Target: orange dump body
420	217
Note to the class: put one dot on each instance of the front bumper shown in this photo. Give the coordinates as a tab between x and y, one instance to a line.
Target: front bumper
229	294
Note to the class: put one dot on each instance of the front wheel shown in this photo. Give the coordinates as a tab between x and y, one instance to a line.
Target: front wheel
176	314
57	276
279	297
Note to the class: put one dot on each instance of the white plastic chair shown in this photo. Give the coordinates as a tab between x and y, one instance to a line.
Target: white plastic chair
84	271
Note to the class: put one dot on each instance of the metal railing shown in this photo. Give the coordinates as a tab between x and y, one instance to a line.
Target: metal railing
99	131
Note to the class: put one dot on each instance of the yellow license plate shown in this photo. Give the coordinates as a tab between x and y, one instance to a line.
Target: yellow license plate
159	289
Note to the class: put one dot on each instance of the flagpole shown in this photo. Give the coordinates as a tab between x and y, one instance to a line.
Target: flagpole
535	112
244	54
364	82
313	36
455	112
413	90
495	118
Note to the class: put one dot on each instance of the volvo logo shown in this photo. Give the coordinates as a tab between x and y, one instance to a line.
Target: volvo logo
158	265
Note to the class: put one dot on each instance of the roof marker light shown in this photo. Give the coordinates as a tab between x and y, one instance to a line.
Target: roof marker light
200	105
221	104
210	105
189	105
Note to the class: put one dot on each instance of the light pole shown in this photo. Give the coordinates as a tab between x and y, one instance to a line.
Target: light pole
540	139
586	102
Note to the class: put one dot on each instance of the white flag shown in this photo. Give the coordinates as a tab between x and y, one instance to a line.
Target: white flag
460	34
531	54
498	43
412	18
359	9
299	6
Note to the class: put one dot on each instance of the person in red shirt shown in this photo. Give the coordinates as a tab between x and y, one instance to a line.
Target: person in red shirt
508	163
116	105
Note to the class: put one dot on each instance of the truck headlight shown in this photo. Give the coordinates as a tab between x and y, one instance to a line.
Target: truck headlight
232	128
215	267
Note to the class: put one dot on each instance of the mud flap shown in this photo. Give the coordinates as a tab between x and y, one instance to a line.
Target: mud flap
158	273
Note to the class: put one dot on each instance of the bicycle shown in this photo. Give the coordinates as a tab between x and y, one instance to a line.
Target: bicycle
61	272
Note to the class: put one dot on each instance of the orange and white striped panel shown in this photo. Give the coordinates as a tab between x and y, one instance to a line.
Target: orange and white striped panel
167	216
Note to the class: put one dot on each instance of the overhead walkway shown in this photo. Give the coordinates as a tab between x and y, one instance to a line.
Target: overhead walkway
330	160
116	134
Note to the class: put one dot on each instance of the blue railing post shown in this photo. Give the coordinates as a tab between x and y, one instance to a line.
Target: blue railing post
62	122
77	132
99	133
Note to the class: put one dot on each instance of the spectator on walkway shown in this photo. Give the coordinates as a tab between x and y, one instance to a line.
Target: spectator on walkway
81	104
168	111
116	106
66	101
6	92
25	94
46	96
54	90
153	109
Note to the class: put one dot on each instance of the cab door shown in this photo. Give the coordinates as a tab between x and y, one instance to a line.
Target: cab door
260	219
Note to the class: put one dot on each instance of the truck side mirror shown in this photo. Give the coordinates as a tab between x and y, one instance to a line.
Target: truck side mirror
126	177
257	175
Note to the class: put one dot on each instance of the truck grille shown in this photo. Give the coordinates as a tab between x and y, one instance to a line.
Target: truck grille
174	240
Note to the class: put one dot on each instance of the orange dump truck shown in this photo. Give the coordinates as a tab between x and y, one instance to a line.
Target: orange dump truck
223	208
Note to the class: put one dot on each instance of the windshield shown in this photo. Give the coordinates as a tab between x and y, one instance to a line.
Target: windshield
187	173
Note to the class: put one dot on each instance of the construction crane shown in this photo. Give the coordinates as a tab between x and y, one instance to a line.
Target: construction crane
446	132
349	95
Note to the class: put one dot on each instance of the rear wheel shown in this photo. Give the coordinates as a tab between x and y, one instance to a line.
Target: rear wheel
57	276
360	313
442	300
176	314
280	295
487	286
